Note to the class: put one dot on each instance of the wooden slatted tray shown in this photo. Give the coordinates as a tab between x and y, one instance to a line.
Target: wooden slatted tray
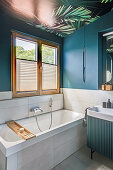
20	130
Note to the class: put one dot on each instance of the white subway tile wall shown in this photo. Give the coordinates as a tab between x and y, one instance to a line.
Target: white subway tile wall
79	99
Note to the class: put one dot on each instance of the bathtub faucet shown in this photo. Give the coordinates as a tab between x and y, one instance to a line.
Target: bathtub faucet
36	109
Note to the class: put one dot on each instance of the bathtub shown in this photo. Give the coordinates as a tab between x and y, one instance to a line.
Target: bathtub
48	148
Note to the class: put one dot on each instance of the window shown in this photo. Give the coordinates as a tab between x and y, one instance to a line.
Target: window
49	65
35	66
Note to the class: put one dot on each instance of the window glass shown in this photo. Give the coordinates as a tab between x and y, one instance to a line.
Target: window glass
26	65
25	49
49	67
49	54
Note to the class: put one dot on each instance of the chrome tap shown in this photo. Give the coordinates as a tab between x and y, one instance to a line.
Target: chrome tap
50	102
36	109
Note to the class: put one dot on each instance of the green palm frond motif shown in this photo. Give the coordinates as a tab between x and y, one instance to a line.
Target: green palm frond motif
94	19
67	15
69	19
105	1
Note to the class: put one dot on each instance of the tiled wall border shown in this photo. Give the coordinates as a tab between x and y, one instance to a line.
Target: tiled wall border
79	99
19	108
6	95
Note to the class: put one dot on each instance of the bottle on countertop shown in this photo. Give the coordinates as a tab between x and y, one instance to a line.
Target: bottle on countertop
108	104
104	104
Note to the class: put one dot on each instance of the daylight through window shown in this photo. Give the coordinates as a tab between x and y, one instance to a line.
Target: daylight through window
35	66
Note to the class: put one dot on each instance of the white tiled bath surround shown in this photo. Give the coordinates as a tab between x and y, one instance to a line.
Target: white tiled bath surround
19	108
79	99
46	154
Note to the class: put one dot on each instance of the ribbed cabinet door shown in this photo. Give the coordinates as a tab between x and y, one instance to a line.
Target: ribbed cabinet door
100	136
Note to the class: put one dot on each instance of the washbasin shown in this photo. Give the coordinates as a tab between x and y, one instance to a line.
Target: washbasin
101	113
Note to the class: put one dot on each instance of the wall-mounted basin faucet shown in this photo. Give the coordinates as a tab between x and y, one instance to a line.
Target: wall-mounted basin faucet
85	118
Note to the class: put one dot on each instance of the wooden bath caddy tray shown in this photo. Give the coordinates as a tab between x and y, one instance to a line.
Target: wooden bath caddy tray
20	130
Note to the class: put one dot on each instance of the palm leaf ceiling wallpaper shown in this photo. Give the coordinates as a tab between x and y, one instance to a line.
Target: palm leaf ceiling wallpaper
61	17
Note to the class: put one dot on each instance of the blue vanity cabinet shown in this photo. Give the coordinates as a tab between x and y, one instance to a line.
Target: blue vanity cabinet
100	136
73	60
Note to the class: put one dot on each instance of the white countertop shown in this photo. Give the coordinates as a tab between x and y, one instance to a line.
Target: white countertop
101	113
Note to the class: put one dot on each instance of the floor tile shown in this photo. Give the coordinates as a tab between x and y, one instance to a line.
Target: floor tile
81	161
84	155
70	164
103	160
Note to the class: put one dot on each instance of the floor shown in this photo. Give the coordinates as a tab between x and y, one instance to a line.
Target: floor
81	161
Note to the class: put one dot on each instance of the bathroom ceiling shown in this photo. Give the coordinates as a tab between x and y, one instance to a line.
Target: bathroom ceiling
61	17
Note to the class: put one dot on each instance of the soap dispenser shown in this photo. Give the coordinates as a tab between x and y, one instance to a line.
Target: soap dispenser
108	104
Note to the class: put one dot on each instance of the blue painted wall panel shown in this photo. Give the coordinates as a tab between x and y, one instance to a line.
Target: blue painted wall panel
73	57
93	34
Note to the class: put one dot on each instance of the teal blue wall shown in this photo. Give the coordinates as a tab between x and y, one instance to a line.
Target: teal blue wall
72	58
8	23
71	62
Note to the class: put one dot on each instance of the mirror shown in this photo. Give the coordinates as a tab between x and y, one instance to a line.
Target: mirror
108	60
